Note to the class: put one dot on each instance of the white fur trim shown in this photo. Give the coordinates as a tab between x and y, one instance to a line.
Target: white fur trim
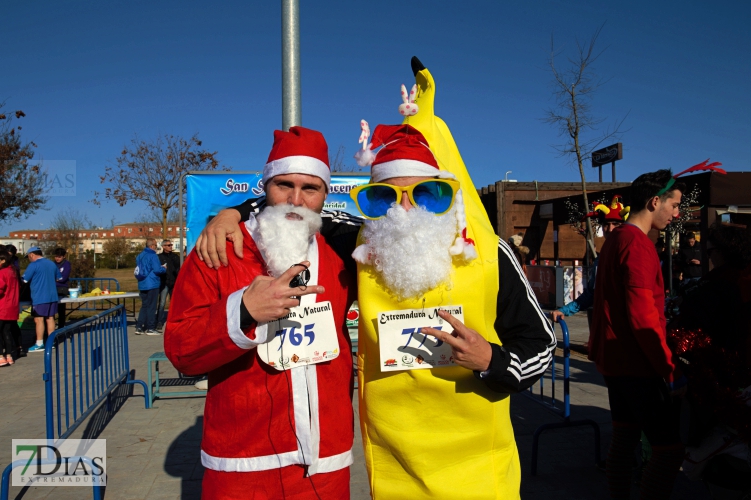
362	254
297	165
406	168
268	462
233	323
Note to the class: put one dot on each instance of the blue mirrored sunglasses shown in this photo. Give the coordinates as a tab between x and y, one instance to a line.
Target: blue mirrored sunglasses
434	195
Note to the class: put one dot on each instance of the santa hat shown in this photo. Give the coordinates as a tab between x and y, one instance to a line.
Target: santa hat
405	153
299	151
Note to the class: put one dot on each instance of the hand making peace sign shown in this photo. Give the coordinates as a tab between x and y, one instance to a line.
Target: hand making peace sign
468	347
267	298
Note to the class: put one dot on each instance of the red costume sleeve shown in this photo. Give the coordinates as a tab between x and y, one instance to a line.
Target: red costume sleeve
643	279
198	337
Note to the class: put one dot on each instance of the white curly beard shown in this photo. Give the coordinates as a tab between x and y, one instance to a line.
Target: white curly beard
410	249
284	242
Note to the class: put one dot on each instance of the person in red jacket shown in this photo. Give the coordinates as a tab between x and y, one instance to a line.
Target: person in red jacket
628	342
8	307
270	331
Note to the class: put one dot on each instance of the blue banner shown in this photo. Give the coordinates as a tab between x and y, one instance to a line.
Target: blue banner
208	194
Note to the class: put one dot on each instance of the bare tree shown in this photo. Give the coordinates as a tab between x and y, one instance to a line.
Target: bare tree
21	184
117	248
574	87
67	225
150	171
337	161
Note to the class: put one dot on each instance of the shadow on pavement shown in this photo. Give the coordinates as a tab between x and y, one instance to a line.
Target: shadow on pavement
180	460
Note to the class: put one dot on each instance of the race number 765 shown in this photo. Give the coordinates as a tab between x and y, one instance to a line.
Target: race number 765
295	337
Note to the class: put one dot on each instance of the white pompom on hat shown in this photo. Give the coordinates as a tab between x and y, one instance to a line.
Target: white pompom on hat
299	151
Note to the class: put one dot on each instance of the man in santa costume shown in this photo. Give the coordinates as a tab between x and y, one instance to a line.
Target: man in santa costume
269	331
434	409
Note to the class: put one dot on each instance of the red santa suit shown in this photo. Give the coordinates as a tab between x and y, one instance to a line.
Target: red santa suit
266	433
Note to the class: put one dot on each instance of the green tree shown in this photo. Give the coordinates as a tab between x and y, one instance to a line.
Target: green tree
117	249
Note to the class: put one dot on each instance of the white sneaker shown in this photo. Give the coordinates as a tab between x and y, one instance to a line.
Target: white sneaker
202	385
151	332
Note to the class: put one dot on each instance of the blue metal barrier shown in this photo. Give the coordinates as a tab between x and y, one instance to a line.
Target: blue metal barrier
561	409
83	363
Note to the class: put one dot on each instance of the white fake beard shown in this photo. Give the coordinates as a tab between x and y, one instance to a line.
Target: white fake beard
410	249
284	242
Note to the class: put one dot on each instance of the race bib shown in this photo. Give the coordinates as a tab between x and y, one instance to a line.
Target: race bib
402	345
306	336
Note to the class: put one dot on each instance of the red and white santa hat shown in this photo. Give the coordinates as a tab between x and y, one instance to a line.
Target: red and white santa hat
404	153
299	151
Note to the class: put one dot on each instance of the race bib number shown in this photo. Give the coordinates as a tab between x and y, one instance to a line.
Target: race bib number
404	347
306	336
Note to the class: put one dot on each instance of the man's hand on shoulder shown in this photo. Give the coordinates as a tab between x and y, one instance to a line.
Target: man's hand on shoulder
267	298
468	347
211	246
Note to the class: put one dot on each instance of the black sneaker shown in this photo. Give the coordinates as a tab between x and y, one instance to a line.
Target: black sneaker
159	328
139	331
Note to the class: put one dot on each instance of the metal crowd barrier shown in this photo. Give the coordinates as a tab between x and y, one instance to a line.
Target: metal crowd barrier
560	408
83	364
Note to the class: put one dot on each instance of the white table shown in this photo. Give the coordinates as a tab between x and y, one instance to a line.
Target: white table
109	298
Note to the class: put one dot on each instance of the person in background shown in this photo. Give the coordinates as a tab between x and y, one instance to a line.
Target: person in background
15	329
63	265
610	218
42	276
520	251
167	280
8	307
712	337
628	343
691	259
147	272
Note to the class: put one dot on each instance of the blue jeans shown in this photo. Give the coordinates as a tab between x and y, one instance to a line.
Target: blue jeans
147	314
161	314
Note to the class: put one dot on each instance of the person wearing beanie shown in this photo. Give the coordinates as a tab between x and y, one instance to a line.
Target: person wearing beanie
269	329
427	245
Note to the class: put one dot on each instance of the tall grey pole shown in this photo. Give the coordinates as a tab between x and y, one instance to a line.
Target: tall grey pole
291	103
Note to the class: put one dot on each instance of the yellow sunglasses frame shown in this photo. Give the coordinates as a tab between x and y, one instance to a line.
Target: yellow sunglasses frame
403	189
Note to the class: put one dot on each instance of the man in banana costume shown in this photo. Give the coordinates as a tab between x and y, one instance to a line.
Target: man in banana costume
448	323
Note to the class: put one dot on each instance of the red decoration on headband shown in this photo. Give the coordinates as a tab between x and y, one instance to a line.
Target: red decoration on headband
703	166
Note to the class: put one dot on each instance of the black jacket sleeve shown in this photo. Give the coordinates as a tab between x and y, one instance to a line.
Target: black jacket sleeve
528	341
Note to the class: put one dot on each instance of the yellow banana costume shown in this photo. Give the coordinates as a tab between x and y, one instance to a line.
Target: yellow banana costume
437	433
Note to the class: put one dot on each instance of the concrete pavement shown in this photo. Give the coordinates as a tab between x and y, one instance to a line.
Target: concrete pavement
154	453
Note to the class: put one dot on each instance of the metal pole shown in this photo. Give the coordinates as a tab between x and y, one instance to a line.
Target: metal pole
613	166
600	169
669	248
180	218
291	103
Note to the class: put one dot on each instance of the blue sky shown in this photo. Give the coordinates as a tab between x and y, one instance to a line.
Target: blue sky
90	75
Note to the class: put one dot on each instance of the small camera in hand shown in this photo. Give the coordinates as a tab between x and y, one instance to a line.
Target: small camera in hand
301	279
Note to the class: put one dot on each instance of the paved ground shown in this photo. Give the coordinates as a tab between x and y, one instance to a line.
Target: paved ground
154	453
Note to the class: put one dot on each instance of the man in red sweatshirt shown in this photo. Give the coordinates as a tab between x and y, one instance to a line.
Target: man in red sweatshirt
628	342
